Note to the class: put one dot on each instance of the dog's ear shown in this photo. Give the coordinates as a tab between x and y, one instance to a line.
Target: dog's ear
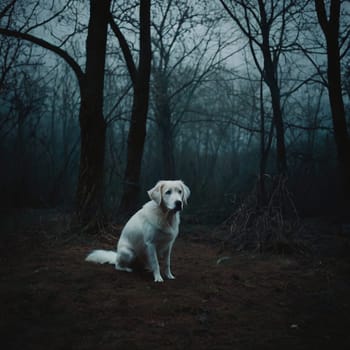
155	193
185	193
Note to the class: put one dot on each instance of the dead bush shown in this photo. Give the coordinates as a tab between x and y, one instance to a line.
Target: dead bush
271	224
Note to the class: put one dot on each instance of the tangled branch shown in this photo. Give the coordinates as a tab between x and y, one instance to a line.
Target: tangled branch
269	226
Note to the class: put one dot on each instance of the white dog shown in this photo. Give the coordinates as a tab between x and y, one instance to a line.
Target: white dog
150	233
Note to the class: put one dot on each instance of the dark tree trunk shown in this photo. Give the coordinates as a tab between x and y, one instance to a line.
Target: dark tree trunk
89	196
279	127
339	120
168	159
163	118
270	77
331	31
92	124
137	131
135	146
263	151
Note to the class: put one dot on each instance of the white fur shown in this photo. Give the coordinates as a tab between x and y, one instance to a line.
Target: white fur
102	256
150	233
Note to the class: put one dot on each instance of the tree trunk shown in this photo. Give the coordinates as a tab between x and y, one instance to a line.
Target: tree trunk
331	31
136	141
92	124
270	77
263	151
279	127
163	118
89	195
168	159
137	131
339	120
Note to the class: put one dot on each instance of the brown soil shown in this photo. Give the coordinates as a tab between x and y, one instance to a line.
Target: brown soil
52	299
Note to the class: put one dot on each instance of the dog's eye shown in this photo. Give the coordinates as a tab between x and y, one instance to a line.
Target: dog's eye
180	191
168	192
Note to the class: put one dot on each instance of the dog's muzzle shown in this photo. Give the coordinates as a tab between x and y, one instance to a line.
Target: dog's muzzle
178	205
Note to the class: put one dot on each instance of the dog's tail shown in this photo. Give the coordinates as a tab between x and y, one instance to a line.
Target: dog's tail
102	257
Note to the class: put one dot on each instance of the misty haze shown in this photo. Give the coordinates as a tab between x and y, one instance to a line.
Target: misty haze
246	102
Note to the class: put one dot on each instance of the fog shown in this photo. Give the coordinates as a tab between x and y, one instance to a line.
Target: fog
211	117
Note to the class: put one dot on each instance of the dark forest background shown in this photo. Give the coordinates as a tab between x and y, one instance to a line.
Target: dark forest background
101	99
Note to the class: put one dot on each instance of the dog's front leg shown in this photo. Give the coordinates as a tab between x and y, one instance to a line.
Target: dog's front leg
153	262
167	271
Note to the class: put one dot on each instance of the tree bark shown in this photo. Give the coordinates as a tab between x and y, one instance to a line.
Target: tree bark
279	127
137	131
89	196
330	28
163	118
270	77
263	151
167	142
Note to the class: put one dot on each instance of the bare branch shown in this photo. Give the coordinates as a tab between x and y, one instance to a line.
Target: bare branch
125	49
63	54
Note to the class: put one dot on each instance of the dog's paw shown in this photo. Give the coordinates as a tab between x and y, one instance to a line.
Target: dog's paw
170	276
122	268
158	279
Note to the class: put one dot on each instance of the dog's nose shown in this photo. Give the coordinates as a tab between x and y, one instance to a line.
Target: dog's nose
178	204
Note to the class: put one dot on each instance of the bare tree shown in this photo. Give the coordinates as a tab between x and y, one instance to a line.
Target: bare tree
140	76
187	49
89	194
330	25
266	25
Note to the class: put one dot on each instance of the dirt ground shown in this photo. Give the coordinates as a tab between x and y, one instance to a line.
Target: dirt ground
52	299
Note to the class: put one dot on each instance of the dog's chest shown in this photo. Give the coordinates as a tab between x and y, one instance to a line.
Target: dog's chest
165	236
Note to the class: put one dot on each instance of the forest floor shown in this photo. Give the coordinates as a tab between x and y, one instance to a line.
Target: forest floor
50	298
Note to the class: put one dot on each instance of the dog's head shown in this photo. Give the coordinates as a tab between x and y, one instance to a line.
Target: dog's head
172	195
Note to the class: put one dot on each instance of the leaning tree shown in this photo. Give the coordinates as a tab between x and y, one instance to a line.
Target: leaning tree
89	195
